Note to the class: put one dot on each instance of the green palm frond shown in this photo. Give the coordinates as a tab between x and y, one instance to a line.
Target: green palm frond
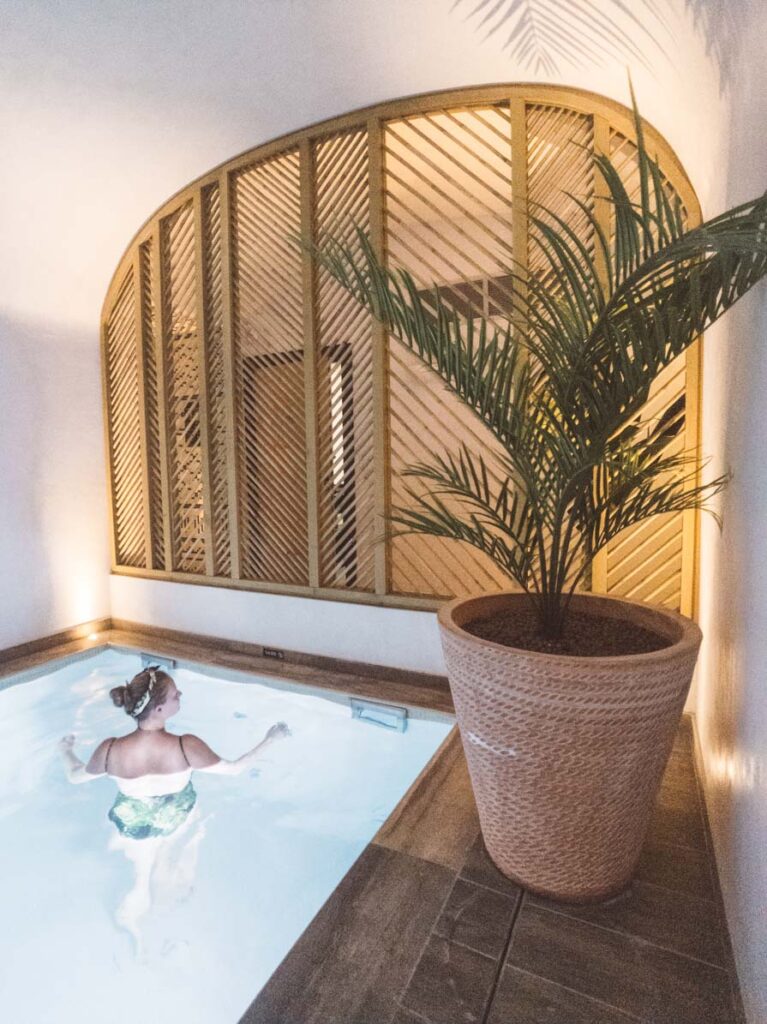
500	506
562	385
429	514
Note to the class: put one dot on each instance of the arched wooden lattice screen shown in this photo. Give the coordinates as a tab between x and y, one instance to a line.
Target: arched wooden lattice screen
258	422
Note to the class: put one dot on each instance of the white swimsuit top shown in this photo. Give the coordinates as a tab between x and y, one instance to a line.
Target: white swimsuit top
159	784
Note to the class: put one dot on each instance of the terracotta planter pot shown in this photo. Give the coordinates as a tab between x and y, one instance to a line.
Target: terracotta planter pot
566	753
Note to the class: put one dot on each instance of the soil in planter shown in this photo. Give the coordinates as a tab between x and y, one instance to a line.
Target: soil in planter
584	636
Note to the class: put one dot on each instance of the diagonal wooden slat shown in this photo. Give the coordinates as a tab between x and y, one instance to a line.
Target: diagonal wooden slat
559	171
204	409
181	345
560	164
449	221
658	574
212	284
268	315
151	403
345	378
125	427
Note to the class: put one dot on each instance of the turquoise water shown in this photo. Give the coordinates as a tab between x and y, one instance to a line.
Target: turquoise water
234	890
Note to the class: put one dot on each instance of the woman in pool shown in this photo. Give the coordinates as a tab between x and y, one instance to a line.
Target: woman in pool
153	771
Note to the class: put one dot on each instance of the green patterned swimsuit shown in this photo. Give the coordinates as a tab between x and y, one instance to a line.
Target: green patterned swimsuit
149	817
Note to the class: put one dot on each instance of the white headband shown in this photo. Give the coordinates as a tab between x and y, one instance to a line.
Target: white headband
148	695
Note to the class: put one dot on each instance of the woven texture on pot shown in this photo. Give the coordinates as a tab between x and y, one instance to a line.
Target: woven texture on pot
566	755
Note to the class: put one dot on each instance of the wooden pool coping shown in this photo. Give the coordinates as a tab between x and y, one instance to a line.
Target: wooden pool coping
357	679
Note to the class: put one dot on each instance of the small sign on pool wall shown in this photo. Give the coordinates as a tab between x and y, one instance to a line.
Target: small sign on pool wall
273	652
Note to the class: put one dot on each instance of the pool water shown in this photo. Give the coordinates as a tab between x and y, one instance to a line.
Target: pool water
232	892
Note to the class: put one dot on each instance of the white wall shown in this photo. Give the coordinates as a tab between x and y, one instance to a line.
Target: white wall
53	544
106	109
356	632
732	684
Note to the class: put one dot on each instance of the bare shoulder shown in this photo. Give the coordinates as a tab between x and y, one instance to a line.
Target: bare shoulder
198	752
98	762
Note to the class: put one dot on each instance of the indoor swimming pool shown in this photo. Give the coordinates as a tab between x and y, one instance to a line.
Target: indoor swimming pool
234	888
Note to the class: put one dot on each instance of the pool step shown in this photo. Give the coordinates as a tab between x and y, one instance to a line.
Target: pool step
386	715
155	659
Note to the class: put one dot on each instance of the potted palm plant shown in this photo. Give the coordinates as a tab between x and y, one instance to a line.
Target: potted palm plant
567	702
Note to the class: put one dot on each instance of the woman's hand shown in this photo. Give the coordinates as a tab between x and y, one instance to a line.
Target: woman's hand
277	732
75	768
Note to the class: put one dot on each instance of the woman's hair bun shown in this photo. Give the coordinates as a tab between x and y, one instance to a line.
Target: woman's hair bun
118	696
146	690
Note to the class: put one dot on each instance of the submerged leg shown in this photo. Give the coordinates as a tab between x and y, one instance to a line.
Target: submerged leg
143	855
177	861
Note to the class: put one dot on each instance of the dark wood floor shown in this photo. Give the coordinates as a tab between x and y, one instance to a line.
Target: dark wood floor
425	930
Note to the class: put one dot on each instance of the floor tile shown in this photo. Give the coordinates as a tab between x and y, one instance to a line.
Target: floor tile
480	869
403	1016
680	774
356	956
677	820
673	920
451	984
620	970
523	998
477	917
403	941
684	740
677	867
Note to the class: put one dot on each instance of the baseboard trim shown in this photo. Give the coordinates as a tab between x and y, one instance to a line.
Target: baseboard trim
700	771
45	643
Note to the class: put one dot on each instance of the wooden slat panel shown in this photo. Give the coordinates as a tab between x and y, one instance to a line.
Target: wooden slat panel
125	428
597	576
560	170
692	441
212	280
151	405
229	376
268	329
158	323
202	381
560	164
311	363
658	578
520	213
448	221
379	340
182	381
138	314
658	550
225	312
345	379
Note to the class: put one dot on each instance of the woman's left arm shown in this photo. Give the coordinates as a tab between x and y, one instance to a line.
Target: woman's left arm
203	759
78	772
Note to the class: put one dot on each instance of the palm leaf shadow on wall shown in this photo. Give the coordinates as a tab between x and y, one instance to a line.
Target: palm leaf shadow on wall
545	35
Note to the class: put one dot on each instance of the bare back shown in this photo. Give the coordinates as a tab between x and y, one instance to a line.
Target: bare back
143	753
150	753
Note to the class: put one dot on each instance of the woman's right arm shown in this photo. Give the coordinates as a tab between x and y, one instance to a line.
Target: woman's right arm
203	759
78	772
